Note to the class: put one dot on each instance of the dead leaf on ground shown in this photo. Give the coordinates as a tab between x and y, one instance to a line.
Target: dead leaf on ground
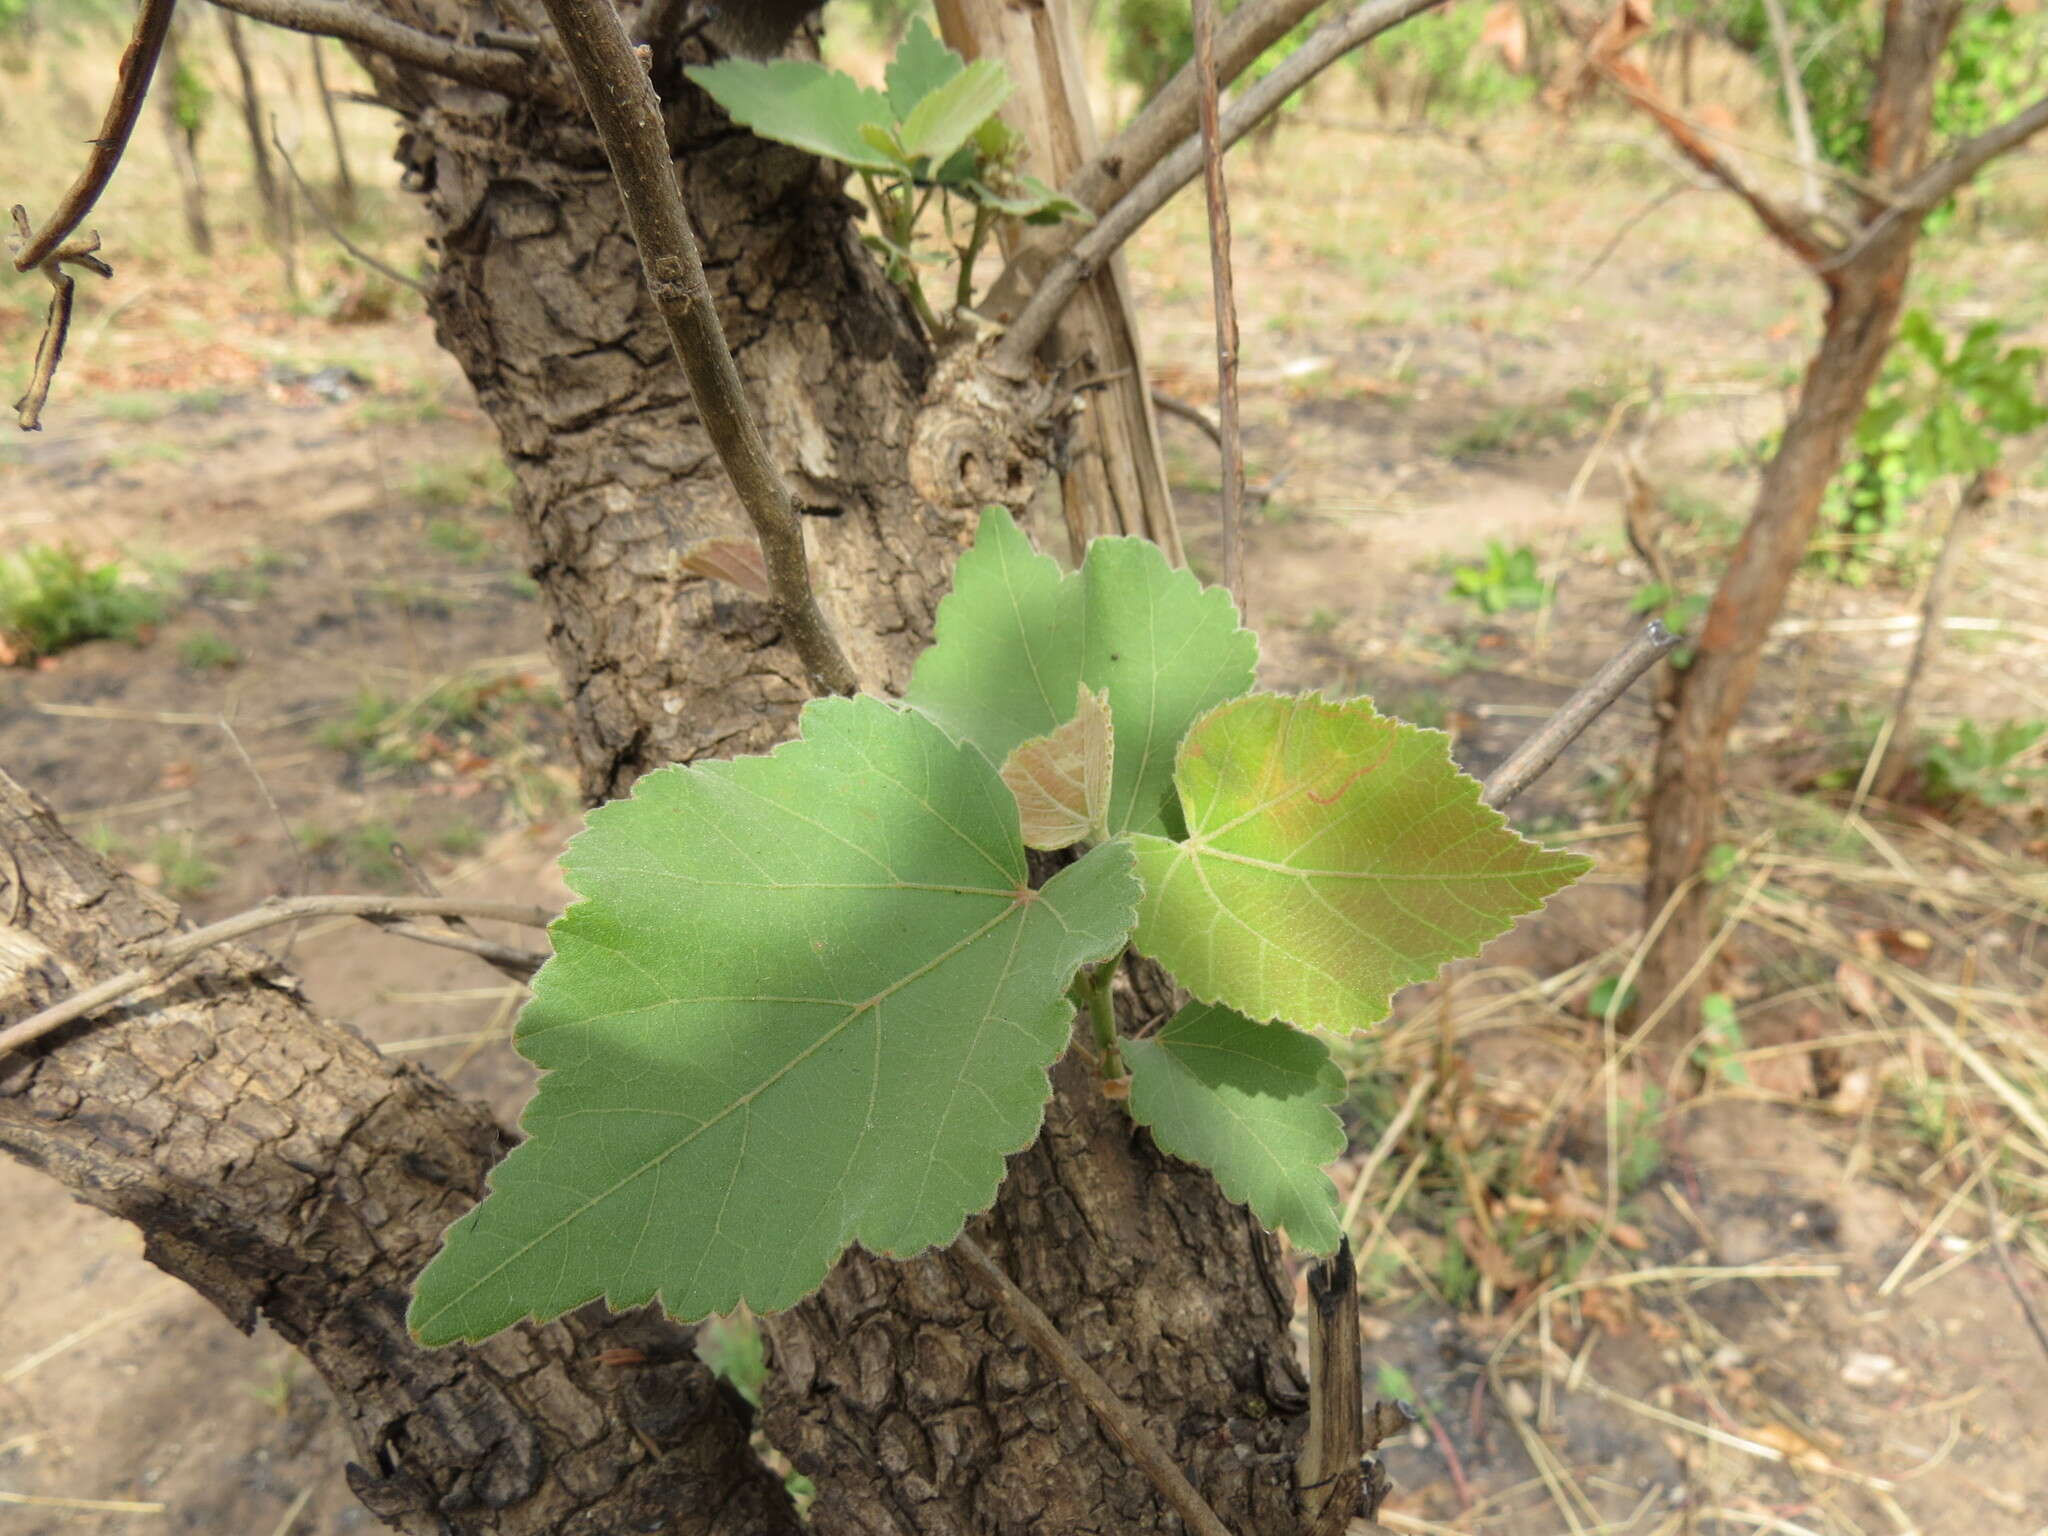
1859	990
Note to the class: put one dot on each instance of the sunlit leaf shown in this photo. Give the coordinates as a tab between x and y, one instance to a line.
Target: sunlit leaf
807	1000
922	64
940	123
1016	635
801	103
1251	1103
1333	856
1061	780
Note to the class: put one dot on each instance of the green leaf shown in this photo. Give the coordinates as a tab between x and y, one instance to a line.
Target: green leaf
801	103
922	64
1251	1103
808	1000
941	122
1333	856
1016	636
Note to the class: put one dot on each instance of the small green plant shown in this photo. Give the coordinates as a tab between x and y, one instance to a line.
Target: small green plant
1602	999
1719	1053
183	870
208	650
1984	766
1507	580
931	136
758	1003
452	536
52	598
1934	415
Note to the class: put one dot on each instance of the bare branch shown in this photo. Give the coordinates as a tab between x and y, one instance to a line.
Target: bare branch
1176	169
1224	285
1171	115
1953	171
78	251
1109	1409
1789	229
1532	759
628	116
388	912
489	68
340	238
1187	411
131	88
1795	108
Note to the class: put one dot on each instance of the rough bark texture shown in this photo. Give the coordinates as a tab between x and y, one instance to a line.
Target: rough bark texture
912	1409
917	1408
1866	290
290	1174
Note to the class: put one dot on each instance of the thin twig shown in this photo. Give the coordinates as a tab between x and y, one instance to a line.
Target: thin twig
1528	762
388	912
57	321
131	89
1181	165
1795	108
1188	411
628	116
490	68
1110	1410
1999	1251
334	229
1629	223
517	968
1224	284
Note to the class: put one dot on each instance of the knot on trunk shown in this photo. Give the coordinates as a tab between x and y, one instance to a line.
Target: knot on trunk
981	437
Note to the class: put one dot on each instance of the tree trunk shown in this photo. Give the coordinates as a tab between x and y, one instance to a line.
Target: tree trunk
252	122
183	137
912	1407
344	177
1690	774
280	1166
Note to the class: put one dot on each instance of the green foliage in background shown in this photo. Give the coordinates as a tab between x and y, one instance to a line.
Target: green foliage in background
1985	765
1935	414
52	598
932	135
811	999
1506	580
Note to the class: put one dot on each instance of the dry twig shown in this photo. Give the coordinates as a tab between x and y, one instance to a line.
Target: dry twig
628	116
1532	759
387	912
1110	1410
1224	284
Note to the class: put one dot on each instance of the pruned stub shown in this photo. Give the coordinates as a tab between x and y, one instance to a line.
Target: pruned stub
981	438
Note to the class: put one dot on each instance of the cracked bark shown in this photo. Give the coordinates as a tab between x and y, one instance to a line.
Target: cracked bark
280	1166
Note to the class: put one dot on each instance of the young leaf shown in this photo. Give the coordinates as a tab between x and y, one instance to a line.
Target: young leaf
1061	780
1015	636
1251	1103
802	103
808	999
940	123
922	64
1333	855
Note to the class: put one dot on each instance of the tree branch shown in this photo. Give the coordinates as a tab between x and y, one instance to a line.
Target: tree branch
340	235
1109	1409
389	911
1177	168
1954	170
1223	283
131	88
489	68
1532	759
1795	108
627	112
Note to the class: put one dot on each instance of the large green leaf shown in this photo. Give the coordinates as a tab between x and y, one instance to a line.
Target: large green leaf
1333	855
802	103
1251	1103
808	999
1016	635
921	65
940	124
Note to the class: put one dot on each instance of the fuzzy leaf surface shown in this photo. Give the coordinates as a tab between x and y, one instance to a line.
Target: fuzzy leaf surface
1016	635
1061	781
920	66
807	1000
1333	856
941	123
1252	1104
